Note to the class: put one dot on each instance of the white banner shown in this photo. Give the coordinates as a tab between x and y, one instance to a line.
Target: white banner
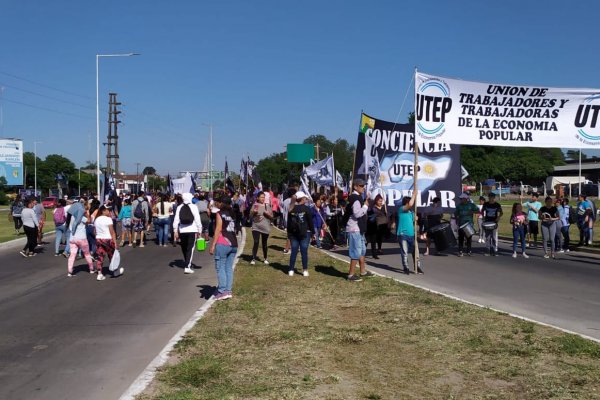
462	112
183	185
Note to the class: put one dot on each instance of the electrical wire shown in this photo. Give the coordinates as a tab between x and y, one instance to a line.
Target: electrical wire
45	109
47	97
46	86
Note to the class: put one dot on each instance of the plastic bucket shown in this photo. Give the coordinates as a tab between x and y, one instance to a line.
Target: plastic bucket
200	244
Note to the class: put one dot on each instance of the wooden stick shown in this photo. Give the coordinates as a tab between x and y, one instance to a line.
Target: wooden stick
415	188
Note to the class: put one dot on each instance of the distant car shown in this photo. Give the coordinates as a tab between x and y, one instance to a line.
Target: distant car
50	202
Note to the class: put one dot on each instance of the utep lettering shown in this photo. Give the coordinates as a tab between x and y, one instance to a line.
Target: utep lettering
433	109
583	114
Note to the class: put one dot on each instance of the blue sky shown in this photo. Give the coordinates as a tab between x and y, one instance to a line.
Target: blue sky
264	73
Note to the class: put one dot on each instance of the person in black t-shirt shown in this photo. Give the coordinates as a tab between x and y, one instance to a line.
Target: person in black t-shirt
548	215
492	211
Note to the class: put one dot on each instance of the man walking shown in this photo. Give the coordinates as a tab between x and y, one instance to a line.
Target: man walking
140	218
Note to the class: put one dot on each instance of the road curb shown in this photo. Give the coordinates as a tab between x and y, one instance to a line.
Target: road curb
449	296
147	376
21	241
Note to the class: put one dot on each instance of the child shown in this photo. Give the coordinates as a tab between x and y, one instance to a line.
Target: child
518	219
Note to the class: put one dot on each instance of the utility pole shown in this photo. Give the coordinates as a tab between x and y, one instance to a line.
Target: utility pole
137	176
112	150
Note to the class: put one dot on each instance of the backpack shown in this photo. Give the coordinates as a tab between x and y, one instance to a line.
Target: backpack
297	225
139	210
185	215
59	216
572	215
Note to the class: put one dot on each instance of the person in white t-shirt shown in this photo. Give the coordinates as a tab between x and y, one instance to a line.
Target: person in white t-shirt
106	240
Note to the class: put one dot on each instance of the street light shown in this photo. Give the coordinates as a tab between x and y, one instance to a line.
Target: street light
98	116
35	168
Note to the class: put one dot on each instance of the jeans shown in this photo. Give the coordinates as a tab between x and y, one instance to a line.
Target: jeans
407	245
61	230
518	236
162	231
566	239
548	233
18	222
302	245
318	237
558	244
91	238
224	258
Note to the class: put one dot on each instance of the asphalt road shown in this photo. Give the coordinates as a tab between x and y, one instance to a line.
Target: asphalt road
564	292
77	338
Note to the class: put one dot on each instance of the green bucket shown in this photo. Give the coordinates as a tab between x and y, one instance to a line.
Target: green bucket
200	244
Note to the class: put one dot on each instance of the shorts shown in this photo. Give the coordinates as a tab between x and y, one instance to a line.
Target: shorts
533	228
139	225
357	246
126	223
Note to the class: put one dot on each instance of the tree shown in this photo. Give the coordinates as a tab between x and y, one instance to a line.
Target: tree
149	171
574	155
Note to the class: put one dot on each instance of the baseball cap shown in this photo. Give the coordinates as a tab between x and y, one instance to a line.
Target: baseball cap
463	196
358	182
300	195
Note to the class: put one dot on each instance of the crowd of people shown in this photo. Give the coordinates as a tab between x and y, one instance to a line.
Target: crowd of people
95	231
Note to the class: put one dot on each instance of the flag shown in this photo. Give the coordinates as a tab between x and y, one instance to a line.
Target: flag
169	185
110	192
243	172
226	170
339	181
372	167
321	172
304	184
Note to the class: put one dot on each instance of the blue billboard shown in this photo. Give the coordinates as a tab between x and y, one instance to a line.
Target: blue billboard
11	161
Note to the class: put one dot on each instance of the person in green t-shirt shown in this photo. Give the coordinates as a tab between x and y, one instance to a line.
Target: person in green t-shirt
464	214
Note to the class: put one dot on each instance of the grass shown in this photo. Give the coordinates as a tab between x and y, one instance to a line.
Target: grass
322	337
7	228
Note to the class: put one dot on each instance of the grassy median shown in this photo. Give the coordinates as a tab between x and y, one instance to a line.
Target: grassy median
7	226
322	337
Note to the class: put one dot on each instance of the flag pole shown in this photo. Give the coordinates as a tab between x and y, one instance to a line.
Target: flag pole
415	186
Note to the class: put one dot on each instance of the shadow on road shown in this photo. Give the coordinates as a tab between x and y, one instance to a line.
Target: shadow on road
206	291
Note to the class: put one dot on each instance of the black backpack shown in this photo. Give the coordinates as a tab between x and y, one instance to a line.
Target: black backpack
185	215
297	225
572	215
139	210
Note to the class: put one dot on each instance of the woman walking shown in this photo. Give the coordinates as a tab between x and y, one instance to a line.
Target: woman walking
106	240
16	208
548	215
224	247
161	212
518	219
59	216
126	225
261	226
30	226
78	241
300	229
187	228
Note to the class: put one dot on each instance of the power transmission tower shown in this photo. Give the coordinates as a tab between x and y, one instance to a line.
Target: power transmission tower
112	149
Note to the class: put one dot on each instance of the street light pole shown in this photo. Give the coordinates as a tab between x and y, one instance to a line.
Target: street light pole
137	177
98	114
35	168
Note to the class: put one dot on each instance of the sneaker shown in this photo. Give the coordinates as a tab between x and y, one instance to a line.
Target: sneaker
567	250
460	254
118	272
65	255
486	254
291	273
253	262
188	270
561	251
142	245
92	272
546	256
305	273
495	254
130	244
406	271
56	254
286	251
100	277
354	278
469	254
266	262
367	274
525	255
514	254
69	275
420	271
221	296
227	295
32	254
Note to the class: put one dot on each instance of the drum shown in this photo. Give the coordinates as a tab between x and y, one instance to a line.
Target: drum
489	226
442	236
467	229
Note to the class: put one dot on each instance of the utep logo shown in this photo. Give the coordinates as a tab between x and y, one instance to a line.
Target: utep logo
586	120
433	103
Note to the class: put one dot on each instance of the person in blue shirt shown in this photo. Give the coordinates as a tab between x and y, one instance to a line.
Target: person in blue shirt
405	230
584	209
532	207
